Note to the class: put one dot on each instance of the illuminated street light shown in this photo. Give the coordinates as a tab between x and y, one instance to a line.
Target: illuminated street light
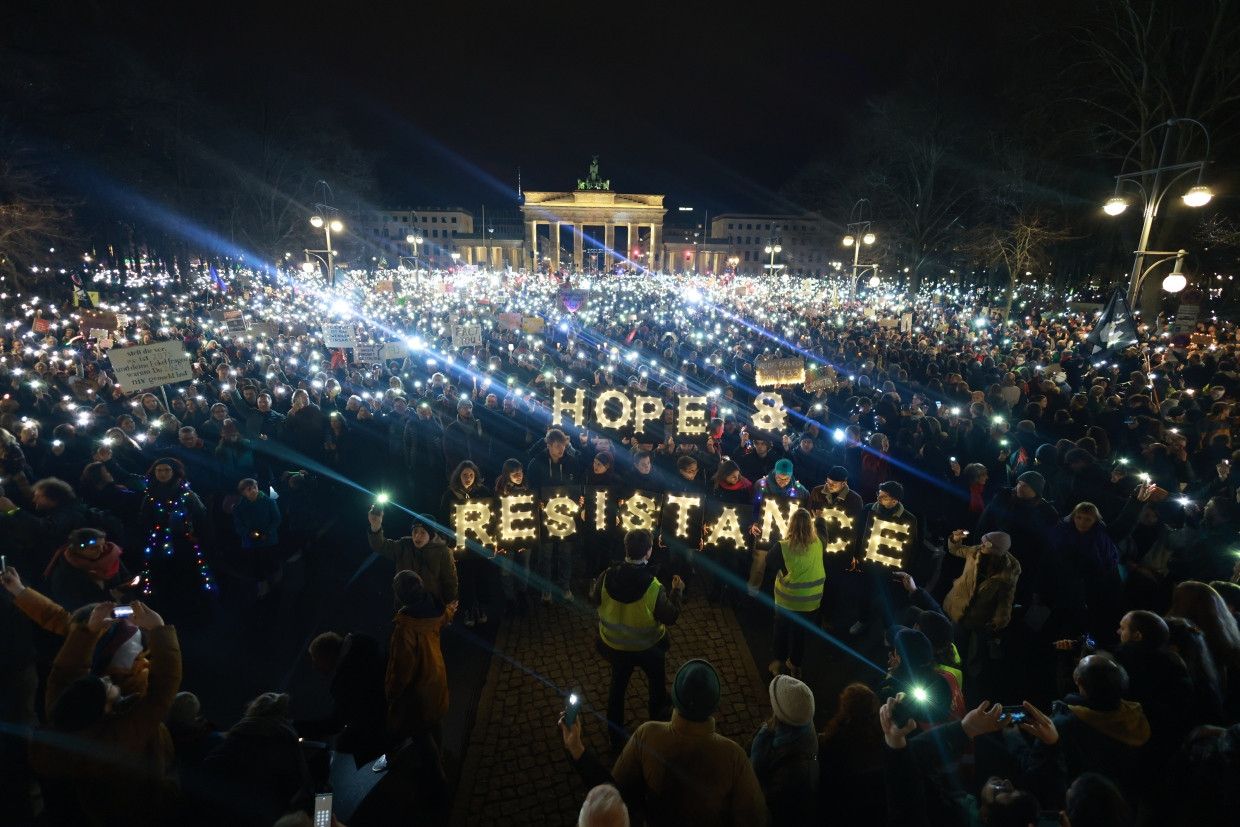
1197	196
859	234
328	225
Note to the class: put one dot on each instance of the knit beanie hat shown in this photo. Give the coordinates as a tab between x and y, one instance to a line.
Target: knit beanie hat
838	474
914	648
1034	480
695	691
1046	454
792	701
784	466
80	705
1000	541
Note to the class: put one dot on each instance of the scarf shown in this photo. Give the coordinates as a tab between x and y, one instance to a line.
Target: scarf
977	503
104	567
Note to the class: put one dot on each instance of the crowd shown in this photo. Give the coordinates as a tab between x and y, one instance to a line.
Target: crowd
1019	520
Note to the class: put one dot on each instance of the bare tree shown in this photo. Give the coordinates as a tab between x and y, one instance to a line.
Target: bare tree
32	222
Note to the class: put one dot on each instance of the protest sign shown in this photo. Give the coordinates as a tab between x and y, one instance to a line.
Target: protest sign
368	352
573	299
509	321
533	325
466	335
264	330
234	321
40	325
385	286
338	335
779	371
822	380
395	350
149	366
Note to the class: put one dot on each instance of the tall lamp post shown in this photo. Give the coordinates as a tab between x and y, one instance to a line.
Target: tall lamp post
858	234
771	249
1197	196
413	240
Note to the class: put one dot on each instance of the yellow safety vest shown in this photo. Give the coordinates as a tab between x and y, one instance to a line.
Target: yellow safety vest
800	590
630	627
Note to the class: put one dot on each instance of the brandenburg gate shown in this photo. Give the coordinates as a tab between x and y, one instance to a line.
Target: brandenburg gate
593	204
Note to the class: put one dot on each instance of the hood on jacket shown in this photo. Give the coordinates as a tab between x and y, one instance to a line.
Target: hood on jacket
1126	724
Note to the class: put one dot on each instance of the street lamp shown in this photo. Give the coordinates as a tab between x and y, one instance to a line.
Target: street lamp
1175	280
859	234
732	262
413	240
1196	196
455	258
771	250
328	227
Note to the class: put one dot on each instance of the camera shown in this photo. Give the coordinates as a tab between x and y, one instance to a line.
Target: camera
1015	714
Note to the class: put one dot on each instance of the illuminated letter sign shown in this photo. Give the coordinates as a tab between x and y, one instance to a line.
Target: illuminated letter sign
472	518
887	542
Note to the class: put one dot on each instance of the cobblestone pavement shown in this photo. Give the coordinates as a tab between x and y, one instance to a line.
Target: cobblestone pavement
515	770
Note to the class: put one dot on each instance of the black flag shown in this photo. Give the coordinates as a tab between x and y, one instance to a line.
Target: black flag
1114	331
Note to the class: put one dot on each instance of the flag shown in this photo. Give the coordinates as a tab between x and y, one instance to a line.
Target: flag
219	282
80	297
1114	331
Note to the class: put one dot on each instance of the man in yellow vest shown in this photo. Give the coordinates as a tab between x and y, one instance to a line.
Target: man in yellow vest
634	611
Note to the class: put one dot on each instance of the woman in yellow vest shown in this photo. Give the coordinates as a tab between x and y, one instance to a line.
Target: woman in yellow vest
799	579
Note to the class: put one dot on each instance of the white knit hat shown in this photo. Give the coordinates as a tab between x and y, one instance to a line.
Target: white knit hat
792	701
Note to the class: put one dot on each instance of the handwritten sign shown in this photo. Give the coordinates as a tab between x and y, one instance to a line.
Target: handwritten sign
779	371
368	352
533	325
149	366
466	335
509	321
338	335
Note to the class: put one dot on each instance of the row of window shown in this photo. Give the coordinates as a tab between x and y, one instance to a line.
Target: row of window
801	228
434	233
434	219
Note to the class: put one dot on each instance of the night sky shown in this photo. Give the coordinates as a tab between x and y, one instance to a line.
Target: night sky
715	105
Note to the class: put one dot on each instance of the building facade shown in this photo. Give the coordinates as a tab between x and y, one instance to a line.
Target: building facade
809	245
382	235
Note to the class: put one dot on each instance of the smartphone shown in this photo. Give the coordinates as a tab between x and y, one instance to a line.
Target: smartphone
953	459
122	611
4	563
570	711
1015	714
323	810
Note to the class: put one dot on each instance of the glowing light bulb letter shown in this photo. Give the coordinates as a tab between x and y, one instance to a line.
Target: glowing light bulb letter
681	512
603	416
769	413
600	509
841	528
558	517
518	518
777	515
472	518
728	528
645	409
575	406
639	511
691	415
887	542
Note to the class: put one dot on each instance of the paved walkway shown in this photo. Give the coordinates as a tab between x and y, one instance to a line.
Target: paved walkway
515	768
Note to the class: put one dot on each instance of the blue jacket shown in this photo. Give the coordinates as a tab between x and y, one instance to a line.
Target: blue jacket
261	518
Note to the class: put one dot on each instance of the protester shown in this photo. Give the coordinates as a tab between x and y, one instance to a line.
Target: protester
634	611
